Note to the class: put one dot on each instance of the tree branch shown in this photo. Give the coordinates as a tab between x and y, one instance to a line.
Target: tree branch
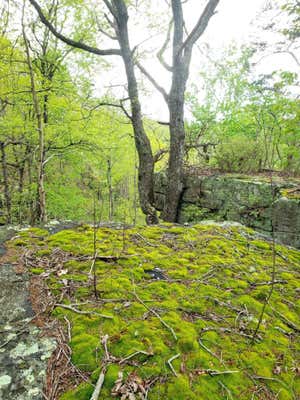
120	105
164	123
200	26
178	29
112	37
160	53
159	155
71	42
153	81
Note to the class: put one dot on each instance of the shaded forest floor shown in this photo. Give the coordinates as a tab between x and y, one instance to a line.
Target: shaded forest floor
166	312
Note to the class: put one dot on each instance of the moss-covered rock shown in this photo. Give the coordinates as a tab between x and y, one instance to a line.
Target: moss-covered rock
204	309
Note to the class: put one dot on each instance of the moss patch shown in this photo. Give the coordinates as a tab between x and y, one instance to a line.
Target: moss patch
205	308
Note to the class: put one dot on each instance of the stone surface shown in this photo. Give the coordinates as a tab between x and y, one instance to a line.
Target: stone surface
23	352
252	201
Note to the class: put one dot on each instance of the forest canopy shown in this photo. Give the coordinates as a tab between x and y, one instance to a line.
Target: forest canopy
64	147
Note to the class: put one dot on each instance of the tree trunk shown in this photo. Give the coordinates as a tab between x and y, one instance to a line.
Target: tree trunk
182	51
177	148
182	54
41	196
110	191
6	184
143	146
180	72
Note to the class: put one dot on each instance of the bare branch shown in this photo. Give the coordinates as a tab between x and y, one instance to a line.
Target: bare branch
159	155
160	53
153	81
201	25
178	31
120	105
110	7
71	42
164	123
112	37
170	363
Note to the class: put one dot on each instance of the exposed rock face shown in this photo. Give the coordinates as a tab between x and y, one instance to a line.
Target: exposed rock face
23	352
254	202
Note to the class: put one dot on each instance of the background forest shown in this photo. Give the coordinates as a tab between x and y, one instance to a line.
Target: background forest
59	137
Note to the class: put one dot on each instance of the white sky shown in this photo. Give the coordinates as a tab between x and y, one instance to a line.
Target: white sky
232	21
235	21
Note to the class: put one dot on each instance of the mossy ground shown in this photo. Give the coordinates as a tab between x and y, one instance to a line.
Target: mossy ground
217	280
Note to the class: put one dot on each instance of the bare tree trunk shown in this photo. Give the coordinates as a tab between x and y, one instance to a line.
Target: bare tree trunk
135	189
142	142
41	196
118	10
177	142
6	184
180	73
110	191
182	54
182	51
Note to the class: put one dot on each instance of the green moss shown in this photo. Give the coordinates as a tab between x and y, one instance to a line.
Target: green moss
209	292
260	244
36	271
43	252
180	389
83	392
291	193
84	348
261	363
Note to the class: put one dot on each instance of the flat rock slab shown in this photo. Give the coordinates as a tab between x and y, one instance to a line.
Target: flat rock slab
23	352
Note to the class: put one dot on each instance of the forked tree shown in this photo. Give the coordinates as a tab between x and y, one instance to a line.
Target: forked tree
182	48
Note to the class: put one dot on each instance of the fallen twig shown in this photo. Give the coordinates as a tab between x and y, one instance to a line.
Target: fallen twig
83	312
289	323
213	372
69	328
99	384
169	362
138	235
135	354
281	282
267	378
233	331
157	315
106	361
208	350
226	389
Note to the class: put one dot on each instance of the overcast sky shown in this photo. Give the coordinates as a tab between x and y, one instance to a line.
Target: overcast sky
236	21
232	21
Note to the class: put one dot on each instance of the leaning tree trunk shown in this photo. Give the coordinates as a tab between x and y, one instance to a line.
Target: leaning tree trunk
142	142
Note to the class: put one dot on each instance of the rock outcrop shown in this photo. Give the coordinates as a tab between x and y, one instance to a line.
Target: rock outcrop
253	201
24	353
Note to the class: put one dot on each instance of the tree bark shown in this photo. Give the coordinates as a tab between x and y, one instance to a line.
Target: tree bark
142	142
6	184
182	54
176	109
118	10
110	190
41	196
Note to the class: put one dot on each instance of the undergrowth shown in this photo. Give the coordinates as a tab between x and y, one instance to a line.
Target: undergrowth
201	313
